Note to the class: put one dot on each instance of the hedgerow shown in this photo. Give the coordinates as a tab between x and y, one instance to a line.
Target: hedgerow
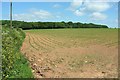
51	25
14	64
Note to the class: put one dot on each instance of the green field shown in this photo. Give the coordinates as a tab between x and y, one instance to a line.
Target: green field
83	36
72	52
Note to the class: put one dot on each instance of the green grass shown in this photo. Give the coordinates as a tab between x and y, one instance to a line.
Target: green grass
21	69
14	64
0	53
86	36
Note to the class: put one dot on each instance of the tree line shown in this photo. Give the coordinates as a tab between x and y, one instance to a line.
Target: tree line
50	25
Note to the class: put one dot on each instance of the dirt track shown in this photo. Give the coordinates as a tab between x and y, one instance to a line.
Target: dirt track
51	58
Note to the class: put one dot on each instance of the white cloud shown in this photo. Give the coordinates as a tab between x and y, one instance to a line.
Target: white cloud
58	16
56	0
91	8
116	20
78	13
33	15
90	5
56	6
75	4
98	16
97	6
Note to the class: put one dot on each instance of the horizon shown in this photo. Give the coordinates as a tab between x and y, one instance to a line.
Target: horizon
105	13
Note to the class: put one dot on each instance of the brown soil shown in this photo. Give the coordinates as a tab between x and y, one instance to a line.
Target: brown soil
49	58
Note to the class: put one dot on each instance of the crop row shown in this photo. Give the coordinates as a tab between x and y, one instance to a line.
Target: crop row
43	43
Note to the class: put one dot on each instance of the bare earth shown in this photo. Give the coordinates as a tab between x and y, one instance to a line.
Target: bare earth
55	58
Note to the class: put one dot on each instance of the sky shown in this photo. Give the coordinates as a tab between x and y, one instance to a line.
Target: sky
86	12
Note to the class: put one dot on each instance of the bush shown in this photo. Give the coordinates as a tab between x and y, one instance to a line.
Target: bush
12	60
51	25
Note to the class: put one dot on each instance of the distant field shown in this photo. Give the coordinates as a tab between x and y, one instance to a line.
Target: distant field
66	53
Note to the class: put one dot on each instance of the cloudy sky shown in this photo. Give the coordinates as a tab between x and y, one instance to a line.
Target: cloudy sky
86	12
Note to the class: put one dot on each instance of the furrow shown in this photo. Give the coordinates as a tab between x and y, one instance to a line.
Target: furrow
43	42
31	44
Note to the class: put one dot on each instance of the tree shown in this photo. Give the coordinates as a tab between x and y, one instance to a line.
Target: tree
70	23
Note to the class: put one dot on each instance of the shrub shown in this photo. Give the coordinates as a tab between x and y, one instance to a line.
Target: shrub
12	60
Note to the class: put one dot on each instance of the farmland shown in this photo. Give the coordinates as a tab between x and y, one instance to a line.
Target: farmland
72	53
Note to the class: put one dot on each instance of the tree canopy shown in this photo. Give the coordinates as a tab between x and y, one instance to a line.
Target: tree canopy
51	25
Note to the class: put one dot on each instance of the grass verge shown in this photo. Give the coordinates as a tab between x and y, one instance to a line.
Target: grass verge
14	64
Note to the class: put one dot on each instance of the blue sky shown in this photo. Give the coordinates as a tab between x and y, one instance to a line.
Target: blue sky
86	12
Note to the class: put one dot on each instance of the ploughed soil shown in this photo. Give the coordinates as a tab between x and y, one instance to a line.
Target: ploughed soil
50	57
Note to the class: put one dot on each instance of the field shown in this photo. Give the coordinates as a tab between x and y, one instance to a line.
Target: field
72	53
